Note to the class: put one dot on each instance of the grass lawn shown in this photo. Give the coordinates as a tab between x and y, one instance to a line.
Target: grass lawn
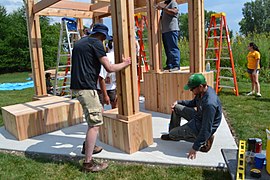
248	117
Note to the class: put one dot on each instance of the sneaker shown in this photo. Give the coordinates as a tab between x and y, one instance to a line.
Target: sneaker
250	93
166	68
94	166
207	146
97	149
174	69
166	137
258	95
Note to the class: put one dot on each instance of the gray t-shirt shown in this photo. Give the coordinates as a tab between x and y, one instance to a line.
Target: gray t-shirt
169	22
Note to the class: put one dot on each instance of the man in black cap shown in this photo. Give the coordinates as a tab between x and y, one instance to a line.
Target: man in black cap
87	56
202	121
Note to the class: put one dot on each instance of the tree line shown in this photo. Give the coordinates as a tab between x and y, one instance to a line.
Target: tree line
14	46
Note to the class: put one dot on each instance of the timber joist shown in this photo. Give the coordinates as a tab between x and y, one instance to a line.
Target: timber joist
100	8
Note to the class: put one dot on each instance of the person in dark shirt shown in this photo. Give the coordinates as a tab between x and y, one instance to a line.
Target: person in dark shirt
87	56
203	113
49	85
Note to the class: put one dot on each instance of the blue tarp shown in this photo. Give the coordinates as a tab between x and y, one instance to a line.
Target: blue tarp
16	86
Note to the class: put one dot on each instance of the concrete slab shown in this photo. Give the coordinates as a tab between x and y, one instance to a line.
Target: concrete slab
68	141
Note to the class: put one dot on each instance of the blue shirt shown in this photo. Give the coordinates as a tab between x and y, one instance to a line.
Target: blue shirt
207	117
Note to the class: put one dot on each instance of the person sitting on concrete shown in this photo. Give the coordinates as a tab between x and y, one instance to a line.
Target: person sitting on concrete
203	114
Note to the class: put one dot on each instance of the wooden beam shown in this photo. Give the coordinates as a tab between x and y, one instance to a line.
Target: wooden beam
124	37
103	10
154	35
103	1
43	4
72	5
142	3
66	13
196	35
100	5
80	26
35	48
191	36
139	10
102	15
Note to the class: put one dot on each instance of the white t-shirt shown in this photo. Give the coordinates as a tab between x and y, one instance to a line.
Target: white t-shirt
110	78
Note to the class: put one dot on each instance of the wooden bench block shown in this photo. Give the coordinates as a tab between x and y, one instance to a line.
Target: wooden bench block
161	89
41	116
129	136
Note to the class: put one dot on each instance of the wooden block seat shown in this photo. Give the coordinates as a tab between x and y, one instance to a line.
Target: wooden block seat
129	134
42	116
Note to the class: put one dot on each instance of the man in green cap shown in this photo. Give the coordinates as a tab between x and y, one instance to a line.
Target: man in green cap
203	114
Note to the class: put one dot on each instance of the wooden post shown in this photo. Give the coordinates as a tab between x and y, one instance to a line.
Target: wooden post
196	35
128	129
80	26
154	36
124	38
36	54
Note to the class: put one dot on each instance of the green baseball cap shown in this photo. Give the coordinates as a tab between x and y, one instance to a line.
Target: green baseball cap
194	81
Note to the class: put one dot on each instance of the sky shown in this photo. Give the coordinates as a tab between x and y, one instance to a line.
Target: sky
232	8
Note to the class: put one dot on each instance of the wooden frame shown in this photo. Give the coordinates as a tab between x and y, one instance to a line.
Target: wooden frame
127	115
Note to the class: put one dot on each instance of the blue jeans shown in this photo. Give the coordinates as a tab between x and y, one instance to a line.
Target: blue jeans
170	43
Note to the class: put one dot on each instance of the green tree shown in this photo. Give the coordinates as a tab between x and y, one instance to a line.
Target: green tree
3	23
50	38
15	53
183	25
256	17
14	46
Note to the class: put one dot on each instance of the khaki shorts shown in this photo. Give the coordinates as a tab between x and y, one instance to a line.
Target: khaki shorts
91	106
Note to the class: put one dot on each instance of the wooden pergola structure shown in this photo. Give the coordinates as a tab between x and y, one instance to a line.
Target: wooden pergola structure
126	128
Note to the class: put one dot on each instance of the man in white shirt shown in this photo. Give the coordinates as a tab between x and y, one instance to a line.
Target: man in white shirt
109	96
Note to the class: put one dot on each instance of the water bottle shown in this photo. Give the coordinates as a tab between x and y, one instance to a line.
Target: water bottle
207	68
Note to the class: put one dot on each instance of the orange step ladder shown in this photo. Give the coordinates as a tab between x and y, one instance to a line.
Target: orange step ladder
220	54
140	23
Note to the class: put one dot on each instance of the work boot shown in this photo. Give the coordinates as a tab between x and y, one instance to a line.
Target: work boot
166	137
94	166
97	149
207	146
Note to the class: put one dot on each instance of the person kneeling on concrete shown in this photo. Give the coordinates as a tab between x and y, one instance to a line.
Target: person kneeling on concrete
203	114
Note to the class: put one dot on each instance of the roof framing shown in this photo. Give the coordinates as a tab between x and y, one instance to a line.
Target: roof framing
78	9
